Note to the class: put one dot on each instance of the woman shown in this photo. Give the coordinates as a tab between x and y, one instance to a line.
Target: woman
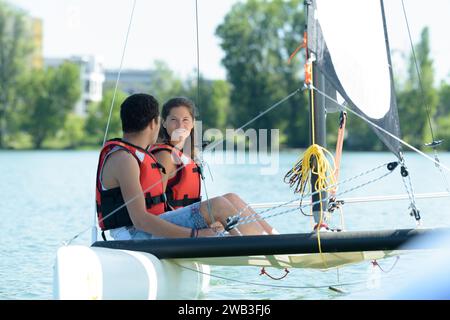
181	180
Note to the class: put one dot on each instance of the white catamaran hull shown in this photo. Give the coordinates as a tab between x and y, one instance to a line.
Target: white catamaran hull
90	273
179	268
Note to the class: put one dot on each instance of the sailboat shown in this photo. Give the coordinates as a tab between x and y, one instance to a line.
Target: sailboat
355	78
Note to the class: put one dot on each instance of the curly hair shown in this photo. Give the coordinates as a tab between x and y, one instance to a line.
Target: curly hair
137	111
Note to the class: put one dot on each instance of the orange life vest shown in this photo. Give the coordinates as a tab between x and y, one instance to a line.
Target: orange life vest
185	188
110	200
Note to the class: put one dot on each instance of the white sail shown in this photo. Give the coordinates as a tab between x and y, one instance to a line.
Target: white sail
354	33
350	43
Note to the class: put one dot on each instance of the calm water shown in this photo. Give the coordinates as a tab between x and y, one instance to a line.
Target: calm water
47	198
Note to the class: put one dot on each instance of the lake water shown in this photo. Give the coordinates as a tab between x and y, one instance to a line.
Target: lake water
47	198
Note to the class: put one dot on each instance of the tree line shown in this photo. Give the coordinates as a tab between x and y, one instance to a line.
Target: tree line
257	37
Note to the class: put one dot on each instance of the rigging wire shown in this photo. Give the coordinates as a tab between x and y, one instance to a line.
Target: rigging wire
309	195
94	225
419	74
120	72
434	144
202	161
415	212
352	200
384	130
198	53
272	107
247	220
436	161
406	178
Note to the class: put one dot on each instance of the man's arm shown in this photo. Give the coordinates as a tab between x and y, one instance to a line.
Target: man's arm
126	171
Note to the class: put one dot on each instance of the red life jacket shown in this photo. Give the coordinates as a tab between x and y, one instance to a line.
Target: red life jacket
185	188
110	200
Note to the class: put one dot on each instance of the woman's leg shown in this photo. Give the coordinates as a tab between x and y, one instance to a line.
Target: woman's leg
221	209
240	204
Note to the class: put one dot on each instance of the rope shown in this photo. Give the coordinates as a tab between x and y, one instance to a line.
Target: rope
264	273
314	161
339	147
319	225
303	45
309	80
268	285
376	264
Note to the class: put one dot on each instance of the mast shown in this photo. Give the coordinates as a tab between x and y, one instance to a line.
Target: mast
317	123
318	133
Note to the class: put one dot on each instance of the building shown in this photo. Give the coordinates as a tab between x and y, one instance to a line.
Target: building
92	77
131	81
92	74
37	60
34	30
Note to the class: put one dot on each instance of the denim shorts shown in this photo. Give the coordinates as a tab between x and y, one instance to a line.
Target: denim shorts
188	217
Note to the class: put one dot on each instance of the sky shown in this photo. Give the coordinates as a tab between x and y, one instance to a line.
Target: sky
165	30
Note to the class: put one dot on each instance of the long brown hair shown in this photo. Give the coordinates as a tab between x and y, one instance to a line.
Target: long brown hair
163	136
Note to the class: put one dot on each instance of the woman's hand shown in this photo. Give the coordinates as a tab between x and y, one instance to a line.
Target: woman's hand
214	230
180	135
217	227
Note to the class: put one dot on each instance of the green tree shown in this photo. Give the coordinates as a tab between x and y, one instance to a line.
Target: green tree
212	101
360	136
73	132
164	83
15	50
412	103
51	95
258	38
97	119
443	114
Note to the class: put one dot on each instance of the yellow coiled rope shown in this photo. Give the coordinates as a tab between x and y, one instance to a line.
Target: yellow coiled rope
315	161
